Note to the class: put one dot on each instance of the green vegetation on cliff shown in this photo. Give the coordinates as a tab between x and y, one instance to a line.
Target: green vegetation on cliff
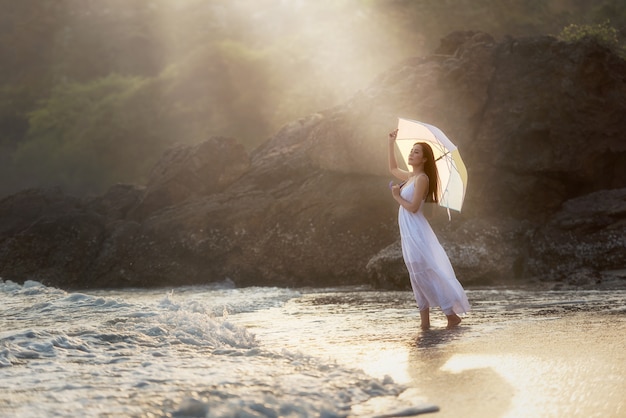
92	92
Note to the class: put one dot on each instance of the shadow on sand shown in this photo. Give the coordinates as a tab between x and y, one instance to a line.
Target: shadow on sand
467	392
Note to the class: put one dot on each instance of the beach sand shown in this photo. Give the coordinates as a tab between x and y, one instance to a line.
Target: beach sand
571	366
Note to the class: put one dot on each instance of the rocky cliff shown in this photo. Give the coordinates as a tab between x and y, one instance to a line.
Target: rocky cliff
540	125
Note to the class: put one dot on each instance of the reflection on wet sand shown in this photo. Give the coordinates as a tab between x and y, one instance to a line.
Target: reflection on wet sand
456	390
555	367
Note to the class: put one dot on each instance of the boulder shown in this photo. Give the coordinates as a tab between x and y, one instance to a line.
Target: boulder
49	237
117	202
185	172
583	244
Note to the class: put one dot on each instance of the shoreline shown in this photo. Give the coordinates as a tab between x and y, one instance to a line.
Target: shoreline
518	353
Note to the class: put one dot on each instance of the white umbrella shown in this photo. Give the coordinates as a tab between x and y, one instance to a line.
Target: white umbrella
450	166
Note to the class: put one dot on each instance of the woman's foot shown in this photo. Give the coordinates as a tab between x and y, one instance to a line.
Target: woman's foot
453	320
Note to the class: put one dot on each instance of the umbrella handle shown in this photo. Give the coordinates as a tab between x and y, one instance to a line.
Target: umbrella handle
443	155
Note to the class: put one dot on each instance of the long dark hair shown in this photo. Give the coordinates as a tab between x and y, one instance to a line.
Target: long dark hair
430	168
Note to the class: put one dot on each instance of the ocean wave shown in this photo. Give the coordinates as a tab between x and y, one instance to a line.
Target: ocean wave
175	354
95	321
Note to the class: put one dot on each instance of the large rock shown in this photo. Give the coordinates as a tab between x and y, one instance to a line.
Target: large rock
539	124
185	172
584	243
50	237
554	128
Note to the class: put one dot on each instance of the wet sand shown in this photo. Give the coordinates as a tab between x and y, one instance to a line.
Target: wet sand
573	366
517	354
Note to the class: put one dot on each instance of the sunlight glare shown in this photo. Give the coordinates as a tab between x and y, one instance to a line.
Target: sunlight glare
386	360
535	393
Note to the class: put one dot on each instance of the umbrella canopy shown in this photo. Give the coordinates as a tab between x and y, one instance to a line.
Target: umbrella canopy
450	166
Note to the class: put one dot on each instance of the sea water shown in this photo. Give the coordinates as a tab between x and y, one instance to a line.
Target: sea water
219	351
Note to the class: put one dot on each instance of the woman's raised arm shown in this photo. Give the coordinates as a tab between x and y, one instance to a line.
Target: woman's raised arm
393	164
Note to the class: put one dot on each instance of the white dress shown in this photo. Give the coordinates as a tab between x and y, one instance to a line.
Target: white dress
432	277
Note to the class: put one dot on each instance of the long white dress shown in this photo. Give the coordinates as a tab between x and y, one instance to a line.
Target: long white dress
432	277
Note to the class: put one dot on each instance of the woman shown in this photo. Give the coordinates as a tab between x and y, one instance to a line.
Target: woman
432	277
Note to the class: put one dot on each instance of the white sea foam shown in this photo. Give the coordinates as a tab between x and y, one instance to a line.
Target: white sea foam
76	354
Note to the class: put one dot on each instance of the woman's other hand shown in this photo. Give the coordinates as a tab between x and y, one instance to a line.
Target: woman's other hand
395	190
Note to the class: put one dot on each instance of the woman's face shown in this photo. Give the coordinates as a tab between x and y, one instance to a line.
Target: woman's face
416	157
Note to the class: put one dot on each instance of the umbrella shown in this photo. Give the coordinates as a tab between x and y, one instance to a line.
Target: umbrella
450	166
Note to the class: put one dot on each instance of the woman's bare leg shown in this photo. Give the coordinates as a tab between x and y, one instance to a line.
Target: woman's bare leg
425	317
